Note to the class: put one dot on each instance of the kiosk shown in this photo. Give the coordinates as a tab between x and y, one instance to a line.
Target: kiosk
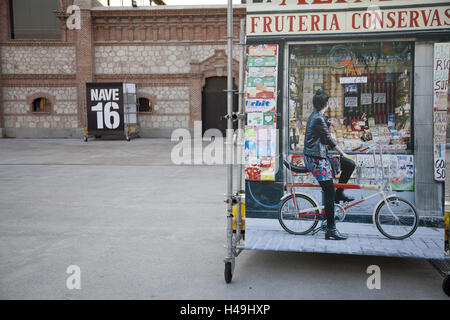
385	66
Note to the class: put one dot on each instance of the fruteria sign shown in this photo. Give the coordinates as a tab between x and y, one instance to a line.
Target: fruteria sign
302	17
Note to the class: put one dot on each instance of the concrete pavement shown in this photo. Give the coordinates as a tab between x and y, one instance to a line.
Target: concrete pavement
142	228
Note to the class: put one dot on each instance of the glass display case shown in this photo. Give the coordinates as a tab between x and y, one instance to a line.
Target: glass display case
369	85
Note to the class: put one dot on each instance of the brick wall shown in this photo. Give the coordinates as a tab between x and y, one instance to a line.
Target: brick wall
85	62
168	52
4	31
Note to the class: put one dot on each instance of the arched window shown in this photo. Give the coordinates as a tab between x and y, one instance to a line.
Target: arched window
41	105
145	105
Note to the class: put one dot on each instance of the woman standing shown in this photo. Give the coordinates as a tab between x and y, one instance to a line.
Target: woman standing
317	142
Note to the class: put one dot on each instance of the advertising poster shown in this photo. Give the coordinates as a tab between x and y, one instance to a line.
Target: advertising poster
440	104
105	113
398	169
260	106
401	174
380	219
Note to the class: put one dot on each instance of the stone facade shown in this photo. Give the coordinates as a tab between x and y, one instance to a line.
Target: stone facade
142	59
171	107
18	113
155	59
168	52
38	60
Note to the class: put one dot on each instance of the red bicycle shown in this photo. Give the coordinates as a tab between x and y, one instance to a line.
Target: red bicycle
394	217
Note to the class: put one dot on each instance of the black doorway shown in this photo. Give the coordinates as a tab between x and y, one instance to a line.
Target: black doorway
214	104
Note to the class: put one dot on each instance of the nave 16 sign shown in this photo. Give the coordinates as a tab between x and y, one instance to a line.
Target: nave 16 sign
105	107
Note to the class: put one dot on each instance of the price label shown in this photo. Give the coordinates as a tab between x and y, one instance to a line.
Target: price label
366	99
379	97
351	102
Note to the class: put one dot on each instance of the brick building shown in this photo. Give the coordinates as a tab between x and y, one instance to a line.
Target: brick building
172	53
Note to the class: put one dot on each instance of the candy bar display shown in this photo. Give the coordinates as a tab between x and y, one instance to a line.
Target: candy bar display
369	88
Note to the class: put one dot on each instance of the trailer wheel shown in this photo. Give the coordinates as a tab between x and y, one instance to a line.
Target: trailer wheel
228	272
446	285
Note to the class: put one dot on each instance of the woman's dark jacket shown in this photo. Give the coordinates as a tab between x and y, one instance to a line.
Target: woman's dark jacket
317	136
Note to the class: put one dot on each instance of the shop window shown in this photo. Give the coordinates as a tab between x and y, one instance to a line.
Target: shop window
34	19
369	85
41	105
145	105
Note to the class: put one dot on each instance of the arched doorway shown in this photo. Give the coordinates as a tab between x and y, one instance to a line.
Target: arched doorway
214	104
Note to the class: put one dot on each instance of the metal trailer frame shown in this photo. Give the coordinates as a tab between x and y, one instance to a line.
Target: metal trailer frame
131	128
234	245
233	240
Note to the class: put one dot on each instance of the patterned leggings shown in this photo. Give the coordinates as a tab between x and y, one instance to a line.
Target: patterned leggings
324	170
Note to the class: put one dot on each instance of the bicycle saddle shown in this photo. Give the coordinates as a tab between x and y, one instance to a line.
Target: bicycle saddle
295	168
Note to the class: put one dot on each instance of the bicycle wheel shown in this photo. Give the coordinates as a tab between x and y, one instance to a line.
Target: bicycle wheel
288	214
399	225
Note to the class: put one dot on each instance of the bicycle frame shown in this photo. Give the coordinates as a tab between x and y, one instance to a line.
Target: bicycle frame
378	187
337	185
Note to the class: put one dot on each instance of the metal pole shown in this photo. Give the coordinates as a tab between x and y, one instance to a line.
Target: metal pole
229	142
240	139
241	100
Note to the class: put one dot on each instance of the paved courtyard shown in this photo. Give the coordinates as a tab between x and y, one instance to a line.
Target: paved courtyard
140	227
